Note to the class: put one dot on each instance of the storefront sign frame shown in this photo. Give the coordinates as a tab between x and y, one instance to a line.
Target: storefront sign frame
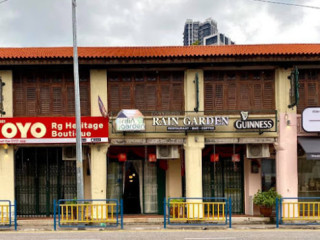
50	130
310	119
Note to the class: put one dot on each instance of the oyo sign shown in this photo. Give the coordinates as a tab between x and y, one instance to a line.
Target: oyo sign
11	130
52	130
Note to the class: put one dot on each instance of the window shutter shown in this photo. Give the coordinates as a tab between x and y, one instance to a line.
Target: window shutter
257	93
114	97
31	108
231	92
44	101
244	96
312	96
151	97
140	102
126	97
84	100
19	100
70	101
208	96
268	96
57	101
177	97
219	97
165	96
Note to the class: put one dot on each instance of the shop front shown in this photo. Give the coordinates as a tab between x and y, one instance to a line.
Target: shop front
45	158
223	173
138	177
309	154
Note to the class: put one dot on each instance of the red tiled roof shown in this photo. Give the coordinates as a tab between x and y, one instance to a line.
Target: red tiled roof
162	52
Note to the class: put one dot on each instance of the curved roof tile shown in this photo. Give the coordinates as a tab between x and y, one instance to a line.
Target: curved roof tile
161	52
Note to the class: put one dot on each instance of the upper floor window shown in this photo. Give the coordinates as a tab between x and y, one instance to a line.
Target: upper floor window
309	81
49	93
146	91
239	90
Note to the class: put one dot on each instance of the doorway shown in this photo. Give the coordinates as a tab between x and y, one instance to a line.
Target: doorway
225	178
131	193
40	177
139	182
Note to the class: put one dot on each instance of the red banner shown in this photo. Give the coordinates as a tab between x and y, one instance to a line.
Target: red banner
40	130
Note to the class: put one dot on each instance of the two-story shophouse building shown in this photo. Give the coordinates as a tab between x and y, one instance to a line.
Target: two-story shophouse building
196	121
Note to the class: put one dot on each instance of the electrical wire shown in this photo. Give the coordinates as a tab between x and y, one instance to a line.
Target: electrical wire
289	4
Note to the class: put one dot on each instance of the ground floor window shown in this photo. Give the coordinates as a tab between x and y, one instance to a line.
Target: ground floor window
268	174
308	177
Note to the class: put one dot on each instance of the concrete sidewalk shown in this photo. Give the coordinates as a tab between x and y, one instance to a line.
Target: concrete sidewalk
156	223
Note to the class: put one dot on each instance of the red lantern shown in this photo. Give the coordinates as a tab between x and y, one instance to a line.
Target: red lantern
122	157
235	157
152	157
214	157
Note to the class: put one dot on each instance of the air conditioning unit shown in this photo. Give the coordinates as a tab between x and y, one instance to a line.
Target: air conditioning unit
167	152
69	153
258	151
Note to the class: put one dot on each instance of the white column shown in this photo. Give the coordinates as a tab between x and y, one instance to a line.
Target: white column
193	167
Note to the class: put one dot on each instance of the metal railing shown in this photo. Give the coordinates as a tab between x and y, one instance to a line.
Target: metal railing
298	211
197	211
8	214
88	213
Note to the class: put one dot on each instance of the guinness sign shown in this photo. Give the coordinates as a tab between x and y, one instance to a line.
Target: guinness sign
246	123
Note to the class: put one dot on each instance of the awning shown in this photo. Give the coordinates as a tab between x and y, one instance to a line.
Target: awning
311	145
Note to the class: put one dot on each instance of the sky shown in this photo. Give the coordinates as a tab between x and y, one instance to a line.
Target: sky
48	23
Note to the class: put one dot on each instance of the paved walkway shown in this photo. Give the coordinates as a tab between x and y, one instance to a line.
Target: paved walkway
142	222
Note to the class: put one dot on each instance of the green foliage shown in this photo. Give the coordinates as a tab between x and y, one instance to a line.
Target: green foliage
177	200
74	201
196	43
266	199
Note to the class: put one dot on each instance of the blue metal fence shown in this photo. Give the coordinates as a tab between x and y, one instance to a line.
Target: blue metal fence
197	211
298	211
71	213
8	214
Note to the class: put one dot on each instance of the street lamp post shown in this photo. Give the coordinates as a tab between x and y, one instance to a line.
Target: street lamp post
80	194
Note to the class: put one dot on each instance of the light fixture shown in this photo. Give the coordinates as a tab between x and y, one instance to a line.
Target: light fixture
286	117
5	147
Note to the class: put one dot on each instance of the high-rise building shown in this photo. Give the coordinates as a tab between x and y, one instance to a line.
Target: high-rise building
205	33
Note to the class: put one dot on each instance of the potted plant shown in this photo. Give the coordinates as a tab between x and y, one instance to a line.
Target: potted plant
176	208
73	209
266	201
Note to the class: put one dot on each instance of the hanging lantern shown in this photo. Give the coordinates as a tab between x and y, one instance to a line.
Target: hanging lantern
122	157
235	157
214	157
152	157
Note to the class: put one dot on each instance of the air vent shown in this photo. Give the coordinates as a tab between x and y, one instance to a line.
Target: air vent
167	152
258	151
69	153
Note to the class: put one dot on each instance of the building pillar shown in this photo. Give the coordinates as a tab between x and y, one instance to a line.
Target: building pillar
286	146
193	170
98	164
7	151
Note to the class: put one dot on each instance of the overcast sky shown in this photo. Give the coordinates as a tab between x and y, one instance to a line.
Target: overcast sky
36	23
